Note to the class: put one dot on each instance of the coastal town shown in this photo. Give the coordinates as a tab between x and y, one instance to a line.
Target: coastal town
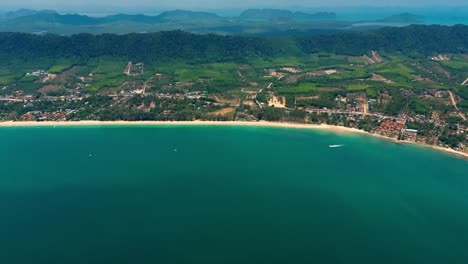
218	132
142	96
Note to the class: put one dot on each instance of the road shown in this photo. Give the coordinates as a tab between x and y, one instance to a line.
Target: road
128	68
454	103
10	99
349	113
465	82
146	84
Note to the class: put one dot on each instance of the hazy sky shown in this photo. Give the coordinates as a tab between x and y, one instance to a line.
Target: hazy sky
214	4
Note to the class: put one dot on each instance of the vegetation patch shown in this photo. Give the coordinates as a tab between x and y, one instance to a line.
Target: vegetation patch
358	87
302	88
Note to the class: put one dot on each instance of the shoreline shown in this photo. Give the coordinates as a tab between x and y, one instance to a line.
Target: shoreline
224	123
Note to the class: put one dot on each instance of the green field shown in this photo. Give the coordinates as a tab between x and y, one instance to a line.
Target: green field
219	71
61	65
229	78
456	64
357	87
394	71
302	88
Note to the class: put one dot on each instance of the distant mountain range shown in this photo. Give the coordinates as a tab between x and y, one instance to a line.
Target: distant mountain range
249	22
175	15
75	19
274	14
23	13
402	18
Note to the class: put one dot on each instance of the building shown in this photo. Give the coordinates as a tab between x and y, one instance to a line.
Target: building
390	128
39	73
410	134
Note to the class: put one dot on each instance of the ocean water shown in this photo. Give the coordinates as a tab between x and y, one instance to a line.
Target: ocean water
429	15
226	195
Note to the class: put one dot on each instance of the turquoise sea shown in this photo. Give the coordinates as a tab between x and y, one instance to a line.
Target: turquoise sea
193	194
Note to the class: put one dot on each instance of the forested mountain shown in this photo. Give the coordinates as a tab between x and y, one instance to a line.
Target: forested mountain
412	40
146	47
416	39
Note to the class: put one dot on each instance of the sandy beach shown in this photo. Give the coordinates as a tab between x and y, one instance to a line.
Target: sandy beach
339	129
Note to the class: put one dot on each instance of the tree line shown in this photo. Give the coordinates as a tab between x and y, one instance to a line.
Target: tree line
140	47
412	40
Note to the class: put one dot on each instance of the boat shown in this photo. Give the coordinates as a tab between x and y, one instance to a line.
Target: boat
336	146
